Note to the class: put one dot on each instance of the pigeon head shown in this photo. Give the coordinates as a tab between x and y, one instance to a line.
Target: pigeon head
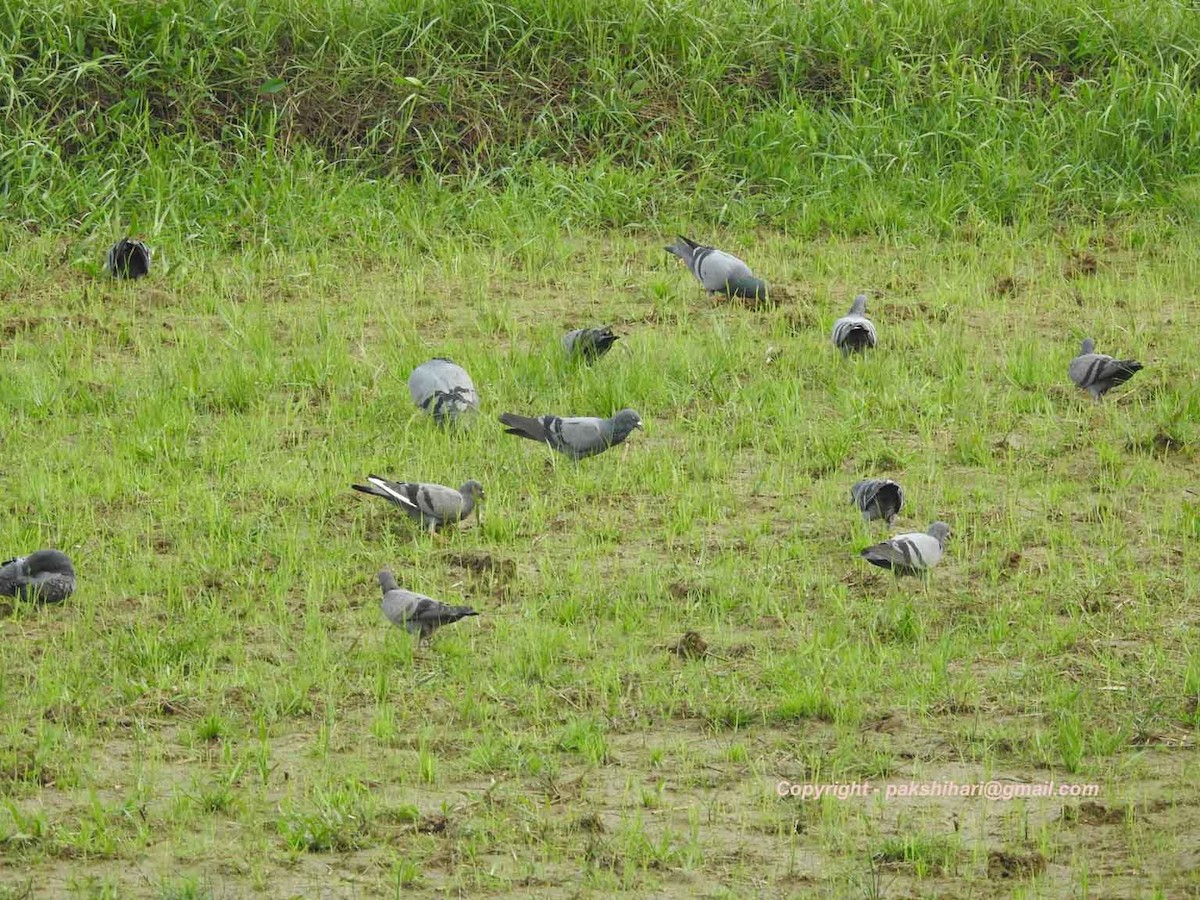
941	531
625	422
1087	346
51	561
387	580
472	488
856	489
859	306
747	286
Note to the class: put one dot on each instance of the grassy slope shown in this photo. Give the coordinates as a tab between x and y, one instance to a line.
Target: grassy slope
223	706
855	116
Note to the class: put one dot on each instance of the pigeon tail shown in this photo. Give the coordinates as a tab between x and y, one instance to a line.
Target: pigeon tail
684	248
524	426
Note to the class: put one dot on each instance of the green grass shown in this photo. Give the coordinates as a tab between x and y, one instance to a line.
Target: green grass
221	709
338	191
856	116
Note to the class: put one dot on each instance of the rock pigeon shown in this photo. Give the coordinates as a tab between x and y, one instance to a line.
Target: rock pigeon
577	437
718	271
46	576
877	498
416	613
433	505
589	343
1097	373
444	390
854	332
913	553
128	258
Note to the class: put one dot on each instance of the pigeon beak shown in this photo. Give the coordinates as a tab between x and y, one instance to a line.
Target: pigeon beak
639	424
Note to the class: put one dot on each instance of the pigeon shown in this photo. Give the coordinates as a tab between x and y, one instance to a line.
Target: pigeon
46	576
433	505
589	344
719	272
128	258
912	553
578	436
1097	373
416	613
443	389
877	498
854	332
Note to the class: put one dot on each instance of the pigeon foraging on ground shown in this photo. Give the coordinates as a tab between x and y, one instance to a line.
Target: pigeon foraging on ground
1098	373
589	344
128	258
877	498
913	553
577	437
444	390
415	613
46	576
719	272
854	332
432	505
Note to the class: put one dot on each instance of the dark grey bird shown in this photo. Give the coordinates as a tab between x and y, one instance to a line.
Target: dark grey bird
854	332
128	258
589	344
1098	373
432	505
913	553
443	389
46	576
416	613
719	272
578	436
877	498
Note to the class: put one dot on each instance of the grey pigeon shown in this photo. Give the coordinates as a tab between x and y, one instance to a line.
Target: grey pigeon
433	505
416	613
718	271
854	332
128	258
46	576
913	553
877	498
1097	373
443	389
577	437
589	344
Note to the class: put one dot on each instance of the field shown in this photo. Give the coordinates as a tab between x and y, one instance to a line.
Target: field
672	630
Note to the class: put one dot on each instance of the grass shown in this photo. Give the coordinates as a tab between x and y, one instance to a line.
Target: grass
221	709
336	192
856	116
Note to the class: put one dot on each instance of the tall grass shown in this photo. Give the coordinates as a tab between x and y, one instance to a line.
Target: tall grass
398	117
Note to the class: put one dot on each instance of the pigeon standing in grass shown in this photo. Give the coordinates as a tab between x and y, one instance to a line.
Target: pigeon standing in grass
128	258
718	271
854	332
914	553
589	344
444	390
433	505
577	437
1098	373
416	613
877	498
46	576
